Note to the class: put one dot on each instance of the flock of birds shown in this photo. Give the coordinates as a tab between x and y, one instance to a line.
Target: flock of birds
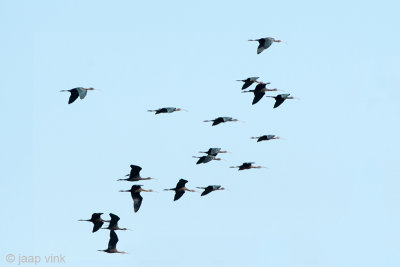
211	154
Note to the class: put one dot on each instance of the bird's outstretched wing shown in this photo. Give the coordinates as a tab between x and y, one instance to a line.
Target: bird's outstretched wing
137	201
135	170
97	225
74	95
247	83
278	101
257	97
264	44
112	243
96	216
181	183
207	190
178	195
201	160
114	220
82	92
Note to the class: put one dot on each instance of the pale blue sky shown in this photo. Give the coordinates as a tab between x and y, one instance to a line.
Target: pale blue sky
330	195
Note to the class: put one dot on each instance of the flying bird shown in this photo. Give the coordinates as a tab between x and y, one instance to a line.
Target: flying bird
259	92
265	137
113	225
205	159
166	110
77	92
134	175
213	151
248	82
96	220
221	120
210	188
137	198
112	244
247	166
180	189
279	99
264	43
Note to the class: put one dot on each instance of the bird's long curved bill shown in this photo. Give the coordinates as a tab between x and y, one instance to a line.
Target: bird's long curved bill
124	191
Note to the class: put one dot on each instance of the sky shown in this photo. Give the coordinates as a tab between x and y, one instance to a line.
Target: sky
330	195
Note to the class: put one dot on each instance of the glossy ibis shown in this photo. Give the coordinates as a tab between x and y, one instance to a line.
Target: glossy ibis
279	99
180	189
137	198
134	176
248	82
210	188
247	166
96	220
77	92
265	137
264	43
113	225
205	159
112	244
221	120
166	110
259	92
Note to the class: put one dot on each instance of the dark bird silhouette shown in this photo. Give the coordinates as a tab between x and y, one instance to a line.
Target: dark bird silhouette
205	159
113	225
112	244
166	110
77	92
96	220
210	188
221	120
248	82
180	189
247	166
264	43
259	92
279	99
134	176
265	137
213	151
137	198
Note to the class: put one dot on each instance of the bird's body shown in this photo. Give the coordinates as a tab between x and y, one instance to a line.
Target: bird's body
221	120
77	92
165	110
265	137
113	225
264	43
279	99
96	220
180	189
247	166
112	244
134	175
136	197
206	159
259	92
210	188
248	82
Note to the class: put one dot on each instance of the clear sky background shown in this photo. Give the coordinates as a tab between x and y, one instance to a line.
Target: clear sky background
330	195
